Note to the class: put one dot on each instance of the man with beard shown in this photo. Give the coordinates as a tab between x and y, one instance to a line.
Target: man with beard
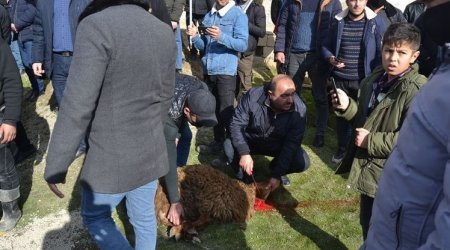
269	120
412	207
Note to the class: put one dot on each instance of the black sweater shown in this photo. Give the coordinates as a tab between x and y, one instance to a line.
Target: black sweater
10	85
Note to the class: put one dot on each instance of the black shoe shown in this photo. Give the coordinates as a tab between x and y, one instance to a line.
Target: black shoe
35	95
212	148
338	156
23	154
219	163
285	180
318	141
11	215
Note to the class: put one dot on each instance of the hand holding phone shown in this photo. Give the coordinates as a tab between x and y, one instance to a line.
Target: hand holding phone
202	29
334	90
338	63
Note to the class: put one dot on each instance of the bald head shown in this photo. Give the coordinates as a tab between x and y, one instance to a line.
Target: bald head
281	92
278	79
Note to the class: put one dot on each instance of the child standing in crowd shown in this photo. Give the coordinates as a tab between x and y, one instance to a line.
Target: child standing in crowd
384	99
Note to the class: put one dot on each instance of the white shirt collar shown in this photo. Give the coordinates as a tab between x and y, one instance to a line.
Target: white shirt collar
224	9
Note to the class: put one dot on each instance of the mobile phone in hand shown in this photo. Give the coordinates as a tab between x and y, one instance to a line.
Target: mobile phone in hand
202	29
334	88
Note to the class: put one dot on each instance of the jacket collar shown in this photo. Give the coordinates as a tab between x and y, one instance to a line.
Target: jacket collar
224	9
369	14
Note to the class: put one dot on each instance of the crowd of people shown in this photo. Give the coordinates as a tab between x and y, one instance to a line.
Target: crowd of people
116	71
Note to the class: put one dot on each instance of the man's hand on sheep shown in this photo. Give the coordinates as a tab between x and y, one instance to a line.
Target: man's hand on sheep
175	213
246	163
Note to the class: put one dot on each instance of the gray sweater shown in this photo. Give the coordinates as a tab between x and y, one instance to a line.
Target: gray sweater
120	86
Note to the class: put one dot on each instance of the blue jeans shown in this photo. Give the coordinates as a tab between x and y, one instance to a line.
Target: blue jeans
16	53
179	61
184	145
299	63
96	210
26	49
61	65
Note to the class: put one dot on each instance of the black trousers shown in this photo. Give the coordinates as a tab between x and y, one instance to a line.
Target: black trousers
300	162
223	87
365	213
9	179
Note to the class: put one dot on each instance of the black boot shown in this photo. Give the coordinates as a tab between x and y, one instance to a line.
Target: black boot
11	215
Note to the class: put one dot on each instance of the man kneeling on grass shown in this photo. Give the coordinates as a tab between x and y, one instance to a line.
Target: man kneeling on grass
384	99
270	120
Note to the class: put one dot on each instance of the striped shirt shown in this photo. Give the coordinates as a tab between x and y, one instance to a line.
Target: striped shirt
350	52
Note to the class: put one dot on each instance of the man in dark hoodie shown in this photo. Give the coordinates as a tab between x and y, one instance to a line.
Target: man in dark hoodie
10	102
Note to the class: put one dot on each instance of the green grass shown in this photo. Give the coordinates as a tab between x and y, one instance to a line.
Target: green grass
316	212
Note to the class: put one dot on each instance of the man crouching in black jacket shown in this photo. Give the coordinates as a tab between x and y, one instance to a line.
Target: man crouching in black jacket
269	120
10	102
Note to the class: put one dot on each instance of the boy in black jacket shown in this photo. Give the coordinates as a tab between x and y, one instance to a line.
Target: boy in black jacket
10	107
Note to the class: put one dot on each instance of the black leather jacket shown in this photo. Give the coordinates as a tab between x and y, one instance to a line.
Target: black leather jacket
413	11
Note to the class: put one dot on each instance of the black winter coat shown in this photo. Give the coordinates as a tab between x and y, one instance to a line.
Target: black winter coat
10	85
5	24
22	15
256	25
255	125
413	11
200	7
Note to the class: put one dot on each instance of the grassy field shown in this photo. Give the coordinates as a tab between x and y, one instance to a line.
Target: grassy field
316	212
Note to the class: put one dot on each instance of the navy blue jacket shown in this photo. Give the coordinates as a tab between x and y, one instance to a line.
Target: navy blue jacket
372	38
22	14
254	125
43	30
288	23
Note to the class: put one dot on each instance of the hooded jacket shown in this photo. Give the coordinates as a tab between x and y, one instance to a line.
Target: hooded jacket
384	123
412	208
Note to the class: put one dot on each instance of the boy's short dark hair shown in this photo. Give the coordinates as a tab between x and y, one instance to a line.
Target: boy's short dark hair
399	33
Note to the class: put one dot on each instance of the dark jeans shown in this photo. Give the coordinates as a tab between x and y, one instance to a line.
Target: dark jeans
25	49
9	179
61	65
365	213
299	64
300	161
344	128
21	140
184	145
223	87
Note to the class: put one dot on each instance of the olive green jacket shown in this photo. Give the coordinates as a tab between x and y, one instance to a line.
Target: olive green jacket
384	123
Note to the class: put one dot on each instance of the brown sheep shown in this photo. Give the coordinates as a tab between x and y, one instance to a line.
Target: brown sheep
208	195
